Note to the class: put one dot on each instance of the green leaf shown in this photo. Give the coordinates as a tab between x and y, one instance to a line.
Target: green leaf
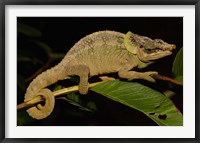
28	30
179	79
23	59
177	69
91	105
48	50
56	56
74	97
75	100
151	102
44	46
23	118
57	87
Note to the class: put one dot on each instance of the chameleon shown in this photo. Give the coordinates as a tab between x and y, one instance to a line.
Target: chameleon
98	53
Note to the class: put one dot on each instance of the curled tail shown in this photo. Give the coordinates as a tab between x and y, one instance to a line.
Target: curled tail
39	111
37	88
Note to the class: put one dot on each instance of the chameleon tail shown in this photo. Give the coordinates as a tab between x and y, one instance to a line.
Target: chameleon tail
39	111
36	88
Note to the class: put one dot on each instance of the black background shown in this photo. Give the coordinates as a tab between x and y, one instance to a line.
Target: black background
61	33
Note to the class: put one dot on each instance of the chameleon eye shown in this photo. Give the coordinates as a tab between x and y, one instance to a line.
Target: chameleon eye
141	46
132	39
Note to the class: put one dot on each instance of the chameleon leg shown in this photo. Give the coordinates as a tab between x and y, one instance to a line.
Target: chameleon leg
39	111
83	72
130	75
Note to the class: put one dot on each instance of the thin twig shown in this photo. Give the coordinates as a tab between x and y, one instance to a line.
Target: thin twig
38	99
165	78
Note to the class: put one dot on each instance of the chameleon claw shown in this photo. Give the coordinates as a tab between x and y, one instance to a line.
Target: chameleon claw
149	76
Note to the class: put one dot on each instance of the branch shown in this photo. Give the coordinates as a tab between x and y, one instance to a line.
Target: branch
165	78
39	99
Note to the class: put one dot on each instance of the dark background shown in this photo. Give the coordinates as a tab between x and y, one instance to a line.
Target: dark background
61	33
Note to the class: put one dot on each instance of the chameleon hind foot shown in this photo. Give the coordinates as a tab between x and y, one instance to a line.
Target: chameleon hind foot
40	112
83	88
130	75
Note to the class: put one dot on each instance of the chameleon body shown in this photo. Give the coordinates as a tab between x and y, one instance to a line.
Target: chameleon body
98	53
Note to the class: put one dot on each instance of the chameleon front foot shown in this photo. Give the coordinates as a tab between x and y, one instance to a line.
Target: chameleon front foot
149	76
130	75
39	111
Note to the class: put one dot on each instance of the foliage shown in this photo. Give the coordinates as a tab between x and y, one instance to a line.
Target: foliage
177	69
91	109
151	102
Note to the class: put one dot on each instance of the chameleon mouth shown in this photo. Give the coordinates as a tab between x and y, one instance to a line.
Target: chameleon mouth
152	51
151	54
160	50
159	54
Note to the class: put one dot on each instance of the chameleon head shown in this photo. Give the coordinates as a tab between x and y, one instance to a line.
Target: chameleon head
147	49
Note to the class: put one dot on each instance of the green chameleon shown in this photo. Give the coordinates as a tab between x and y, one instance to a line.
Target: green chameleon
98	53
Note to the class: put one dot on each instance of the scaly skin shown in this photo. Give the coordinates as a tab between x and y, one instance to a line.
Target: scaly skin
98	53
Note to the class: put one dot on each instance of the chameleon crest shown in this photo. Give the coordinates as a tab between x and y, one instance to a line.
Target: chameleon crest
98	53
